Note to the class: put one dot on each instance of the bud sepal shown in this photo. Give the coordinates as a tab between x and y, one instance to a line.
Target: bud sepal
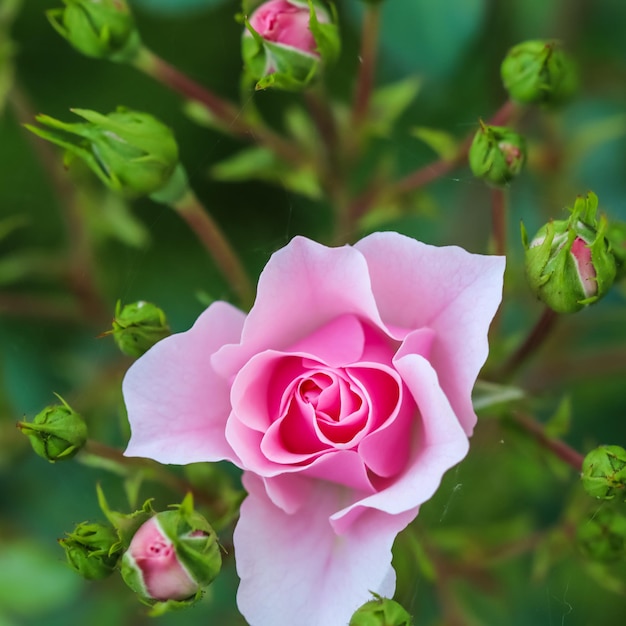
131	152
381	612
604	472
101	29
569	263
539	72
138	326
497	154
92	550
57	433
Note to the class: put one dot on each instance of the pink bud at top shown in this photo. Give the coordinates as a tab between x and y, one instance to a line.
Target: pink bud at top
285	23
581	253
154	557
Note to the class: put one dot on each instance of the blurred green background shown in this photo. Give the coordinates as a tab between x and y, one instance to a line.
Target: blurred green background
505	487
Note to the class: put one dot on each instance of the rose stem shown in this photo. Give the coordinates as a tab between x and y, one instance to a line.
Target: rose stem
535	339
215	242
81	273
498	220
367	68
155	471
223	110
20	305
559	448
432	171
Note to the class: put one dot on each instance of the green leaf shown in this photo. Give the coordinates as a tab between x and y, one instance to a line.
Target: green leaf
440	141
389	102
559	424
262	164
487	395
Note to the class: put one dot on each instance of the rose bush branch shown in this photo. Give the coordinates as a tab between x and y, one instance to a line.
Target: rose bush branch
558	448
212	237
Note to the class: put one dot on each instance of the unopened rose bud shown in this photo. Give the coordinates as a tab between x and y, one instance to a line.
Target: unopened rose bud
539	72
497	154
172	556
287	41
604	472
92	550
381	612
569	264
57	433
104	29
138	326
602	537
131	152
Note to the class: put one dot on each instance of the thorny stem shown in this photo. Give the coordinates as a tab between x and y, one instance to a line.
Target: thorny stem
559	448
224	111
367	69
81	274
535	339
218	246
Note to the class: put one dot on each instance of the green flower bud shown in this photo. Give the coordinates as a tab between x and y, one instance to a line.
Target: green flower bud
381	612
569	263
616	234
103	29
539	72
286	42
497	154
172	556
138	326
604	472
92	550
602	537
131	152
57	433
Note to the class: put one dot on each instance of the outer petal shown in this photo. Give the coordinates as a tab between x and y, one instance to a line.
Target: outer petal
294	569
439	444
451	291
177	404
303	287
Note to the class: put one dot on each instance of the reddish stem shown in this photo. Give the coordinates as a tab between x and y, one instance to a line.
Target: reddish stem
498	220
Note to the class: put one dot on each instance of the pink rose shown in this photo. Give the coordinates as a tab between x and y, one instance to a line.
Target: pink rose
344	395
286	23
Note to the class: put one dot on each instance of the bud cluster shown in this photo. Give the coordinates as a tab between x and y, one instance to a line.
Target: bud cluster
138	326
381	612
569	263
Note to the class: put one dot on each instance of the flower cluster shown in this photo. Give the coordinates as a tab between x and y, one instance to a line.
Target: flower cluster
344	395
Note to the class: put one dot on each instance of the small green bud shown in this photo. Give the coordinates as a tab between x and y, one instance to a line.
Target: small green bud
497	154
381	612
92	550
616	235
103	29
602	537
131	152
604	472
286	42
539	72
57	433
138	326
172	556
569	263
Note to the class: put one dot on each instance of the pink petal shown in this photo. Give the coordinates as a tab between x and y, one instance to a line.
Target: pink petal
449	290
294	569
303	287
177	404
439	444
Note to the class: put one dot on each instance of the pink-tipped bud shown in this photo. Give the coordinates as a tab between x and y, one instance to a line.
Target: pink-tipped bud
172	556
285	23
